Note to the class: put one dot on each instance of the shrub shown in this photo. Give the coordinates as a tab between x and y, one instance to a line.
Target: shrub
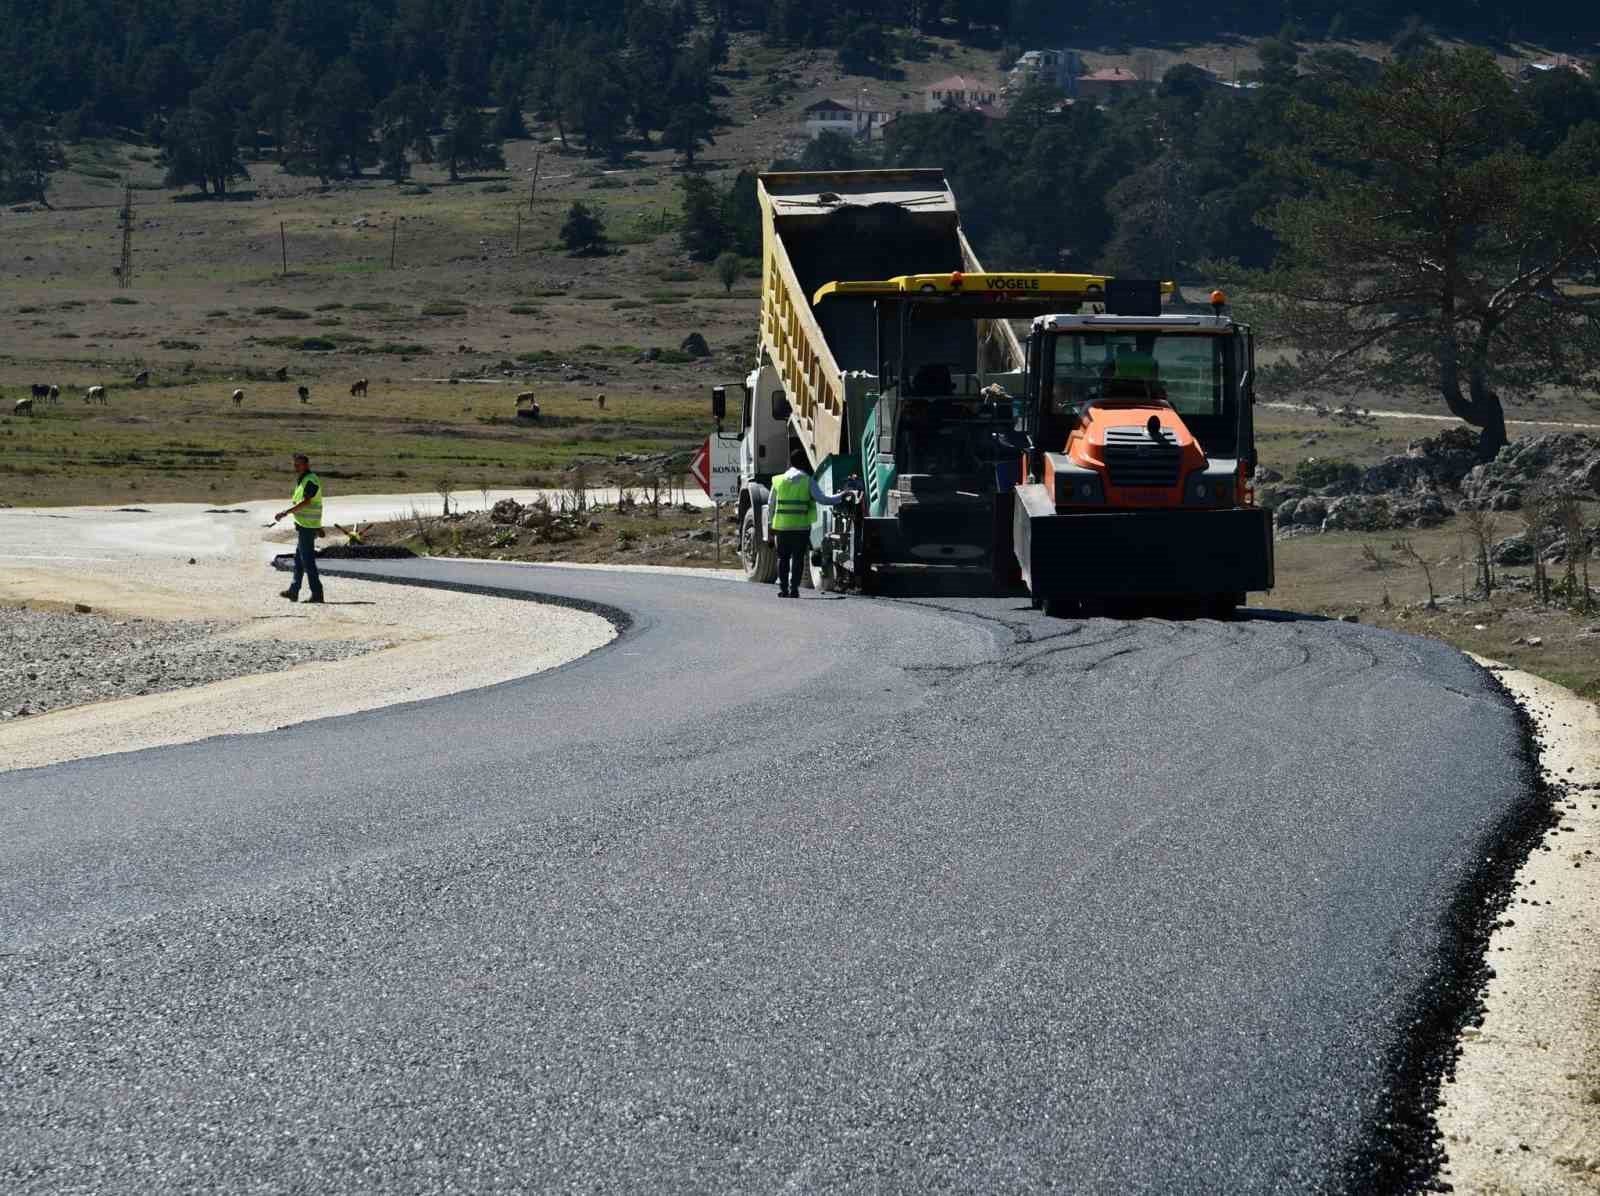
445	309
403	349
123	299
279	313
494	188
525	309
1325	471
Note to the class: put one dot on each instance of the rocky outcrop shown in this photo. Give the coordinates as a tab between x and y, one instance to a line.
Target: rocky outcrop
1565	461
1427	464
1424	485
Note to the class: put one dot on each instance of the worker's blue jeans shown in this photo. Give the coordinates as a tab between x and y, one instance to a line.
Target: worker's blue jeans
305	561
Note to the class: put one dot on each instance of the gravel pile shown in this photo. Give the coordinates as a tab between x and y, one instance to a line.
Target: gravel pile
50	659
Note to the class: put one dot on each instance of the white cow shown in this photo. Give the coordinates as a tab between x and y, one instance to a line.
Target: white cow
95	394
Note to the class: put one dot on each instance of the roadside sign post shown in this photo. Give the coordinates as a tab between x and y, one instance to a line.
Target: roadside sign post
715	465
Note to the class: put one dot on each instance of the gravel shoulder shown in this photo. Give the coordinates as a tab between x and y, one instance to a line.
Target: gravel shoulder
51	659
267	664
1522	1114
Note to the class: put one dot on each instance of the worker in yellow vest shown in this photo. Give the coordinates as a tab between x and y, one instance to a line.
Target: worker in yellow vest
795	498
307	512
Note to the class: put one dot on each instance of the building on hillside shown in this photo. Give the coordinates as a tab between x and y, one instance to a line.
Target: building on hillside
958	91
858	120
1059	68
1561	62
1108	84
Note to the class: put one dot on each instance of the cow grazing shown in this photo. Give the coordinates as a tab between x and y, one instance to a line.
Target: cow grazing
305	394
41	390
22	407
527	406
238	397
55	393
600	401
283	373
142	378
95	394
358	388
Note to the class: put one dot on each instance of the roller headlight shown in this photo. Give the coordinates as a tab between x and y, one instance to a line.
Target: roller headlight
1080	488
1209	488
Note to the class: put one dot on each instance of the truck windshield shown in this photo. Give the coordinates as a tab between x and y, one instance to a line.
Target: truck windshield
1193	372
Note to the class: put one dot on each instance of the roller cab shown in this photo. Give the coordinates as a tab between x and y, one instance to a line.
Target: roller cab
1139	450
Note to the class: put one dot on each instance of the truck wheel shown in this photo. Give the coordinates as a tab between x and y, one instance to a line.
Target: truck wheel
760	559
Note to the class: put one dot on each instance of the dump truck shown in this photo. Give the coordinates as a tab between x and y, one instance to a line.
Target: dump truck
824	380
890	357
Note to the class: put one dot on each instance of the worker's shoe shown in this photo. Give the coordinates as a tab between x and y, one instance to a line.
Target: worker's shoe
291	595
315	598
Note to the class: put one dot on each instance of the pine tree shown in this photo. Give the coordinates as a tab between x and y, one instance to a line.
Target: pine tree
703	235
583	233
467	143
689	127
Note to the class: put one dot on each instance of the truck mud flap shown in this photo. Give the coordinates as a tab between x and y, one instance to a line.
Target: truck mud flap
1156	553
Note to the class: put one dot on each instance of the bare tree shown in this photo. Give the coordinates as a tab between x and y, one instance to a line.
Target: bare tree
1537	509
1569	518
1482	527
1406	550
444	488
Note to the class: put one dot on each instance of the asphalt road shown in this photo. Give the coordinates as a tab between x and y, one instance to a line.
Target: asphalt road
837	894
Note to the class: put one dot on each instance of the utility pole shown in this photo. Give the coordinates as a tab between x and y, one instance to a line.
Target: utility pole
517	247
283	244
394	241
125	219
533	187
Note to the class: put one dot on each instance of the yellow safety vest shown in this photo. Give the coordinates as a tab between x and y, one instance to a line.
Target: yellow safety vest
311	514
793	508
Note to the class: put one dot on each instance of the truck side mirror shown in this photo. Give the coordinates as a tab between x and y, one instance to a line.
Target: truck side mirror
780	405
719	403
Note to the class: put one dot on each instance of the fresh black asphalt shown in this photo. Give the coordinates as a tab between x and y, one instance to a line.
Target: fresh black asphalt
836	894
